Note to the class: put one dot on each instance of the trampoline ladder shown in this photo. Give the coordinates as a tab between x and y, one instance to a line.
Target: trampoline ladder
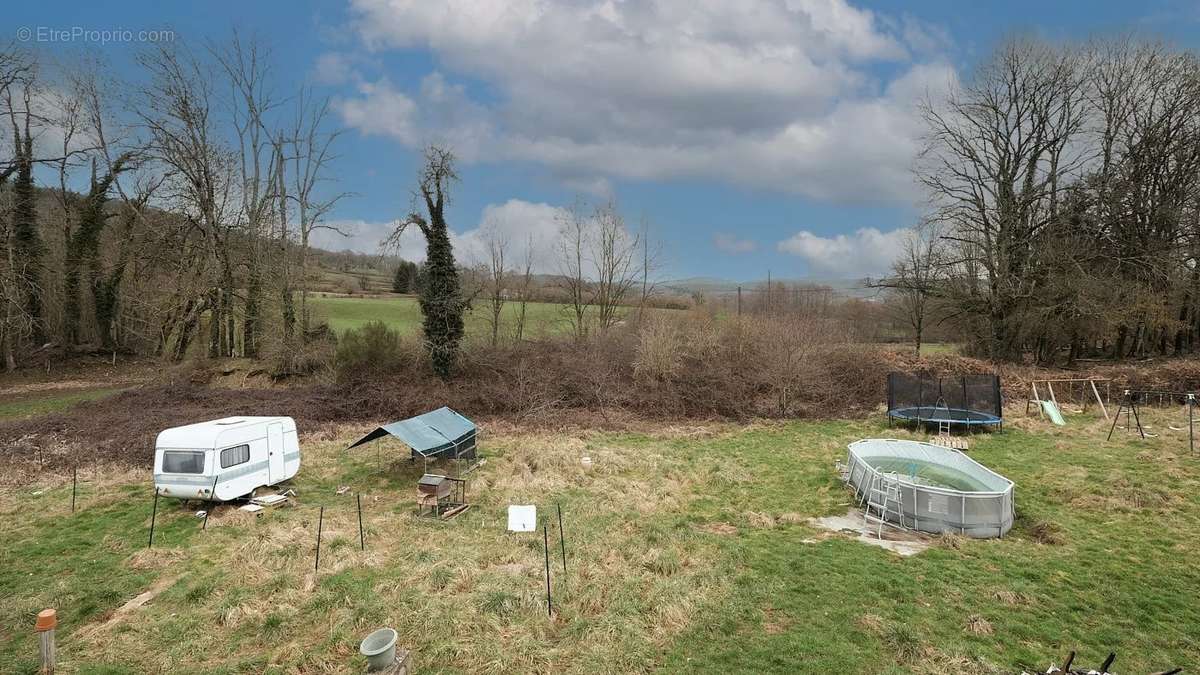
883	499
944	428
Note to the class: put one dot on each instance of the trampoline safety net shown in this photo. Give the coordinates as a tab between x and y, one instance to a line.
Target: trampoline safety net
961	399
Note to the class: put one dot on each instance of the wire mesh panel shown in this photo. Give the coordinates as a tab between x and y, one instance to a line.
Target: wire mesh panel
982	393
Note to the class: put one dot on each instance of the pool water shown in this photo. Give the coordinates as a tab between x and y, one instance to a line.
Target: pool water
928	473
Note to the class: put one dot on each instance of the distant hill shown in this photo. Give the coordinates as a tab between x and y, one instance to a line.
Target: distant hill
855	288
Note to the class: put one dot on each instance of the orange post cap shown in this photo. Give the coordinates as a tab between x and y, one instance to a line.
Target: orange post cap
47	619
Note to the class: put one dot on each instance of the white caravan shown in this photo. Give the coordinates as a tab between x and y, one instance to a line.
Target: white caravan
226	458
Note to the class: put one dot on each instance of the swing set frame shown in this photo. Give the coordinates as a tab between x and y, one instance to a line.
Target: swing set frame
1089	383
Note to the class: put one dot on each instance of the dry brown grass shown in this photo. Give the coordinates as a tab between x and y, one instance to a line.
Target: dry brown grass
871	623
1045	532
977	625
936	662
1012	598
950	540
634	589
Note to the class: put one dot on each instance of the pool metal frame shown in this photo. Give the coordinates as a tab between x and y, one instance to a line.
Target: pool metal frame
980	513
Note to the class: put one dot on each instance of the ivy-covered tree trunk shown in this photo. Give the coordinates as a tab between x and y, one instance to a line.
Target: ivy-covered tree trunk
104	297
441	299
27	244
106	287
83	246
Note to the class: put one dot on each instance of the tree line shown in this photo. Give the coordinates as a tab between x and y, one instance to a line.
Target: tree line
1063	218
166	213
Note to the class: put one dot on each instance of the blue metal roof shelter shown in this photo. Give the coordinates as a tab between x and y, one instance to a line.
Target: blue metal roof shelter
440	433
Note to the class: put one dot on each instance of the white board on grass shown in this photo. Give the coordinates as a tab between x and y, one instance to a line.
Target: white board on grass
522	518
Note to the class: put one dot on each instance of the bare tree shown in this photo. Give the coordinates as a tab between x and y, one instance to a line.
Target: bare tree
615	262
260	165
914	278
573	244
523	290
496	277
183	132
999	152
312	152
651	254
15	71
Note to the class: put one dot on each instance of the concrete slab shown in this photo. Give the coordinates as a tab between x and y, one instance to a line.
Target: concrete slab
901	542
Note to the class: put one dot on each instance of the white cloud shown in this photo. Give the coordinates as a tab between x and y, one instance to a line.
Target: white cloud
364	236
866	252
774	93
439	112
334	68
524	228
383	110
731	243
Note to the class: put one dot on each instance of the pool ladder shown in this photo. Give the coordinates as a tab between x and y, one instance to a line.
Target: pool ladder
883	500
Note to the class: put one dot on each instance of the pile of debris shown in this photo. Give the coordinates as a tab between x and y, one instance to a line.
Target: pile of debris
1103	670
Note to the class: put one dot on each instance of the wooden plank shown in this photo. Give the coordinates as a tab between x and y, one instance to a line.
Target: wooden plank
1098	399
455	511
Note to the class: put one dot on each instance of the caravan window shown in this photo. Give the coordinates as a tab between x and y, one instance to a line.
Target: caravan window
234	456
183	461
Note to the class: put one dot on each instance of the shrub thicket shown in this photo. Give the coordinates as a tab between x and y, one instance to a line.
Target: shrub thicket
374	349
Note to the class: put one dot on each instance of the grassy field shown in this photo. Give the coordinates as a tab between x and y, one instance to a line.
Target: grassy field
927	349
40	403
688	550
403	313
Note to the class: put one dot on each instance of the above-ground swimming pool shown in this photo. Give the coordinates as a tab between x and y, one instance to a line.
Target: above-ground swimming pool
941	490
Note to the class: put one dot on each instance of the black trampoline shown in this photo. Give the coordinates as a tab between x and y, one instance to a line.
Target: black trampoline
969	401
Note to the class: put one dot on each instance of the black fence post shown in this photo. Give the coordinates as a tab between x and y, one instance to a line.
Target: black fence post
74	484
153	517
1191	431
891	396
208	510
546	551
362	541
320	523
562	542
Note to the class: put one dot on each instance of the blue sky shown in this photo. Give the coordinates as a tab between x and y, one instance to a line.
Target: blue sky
774	136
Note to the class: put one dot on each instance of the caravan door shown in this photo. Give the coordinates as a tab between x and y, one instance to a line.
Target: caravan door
275	452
